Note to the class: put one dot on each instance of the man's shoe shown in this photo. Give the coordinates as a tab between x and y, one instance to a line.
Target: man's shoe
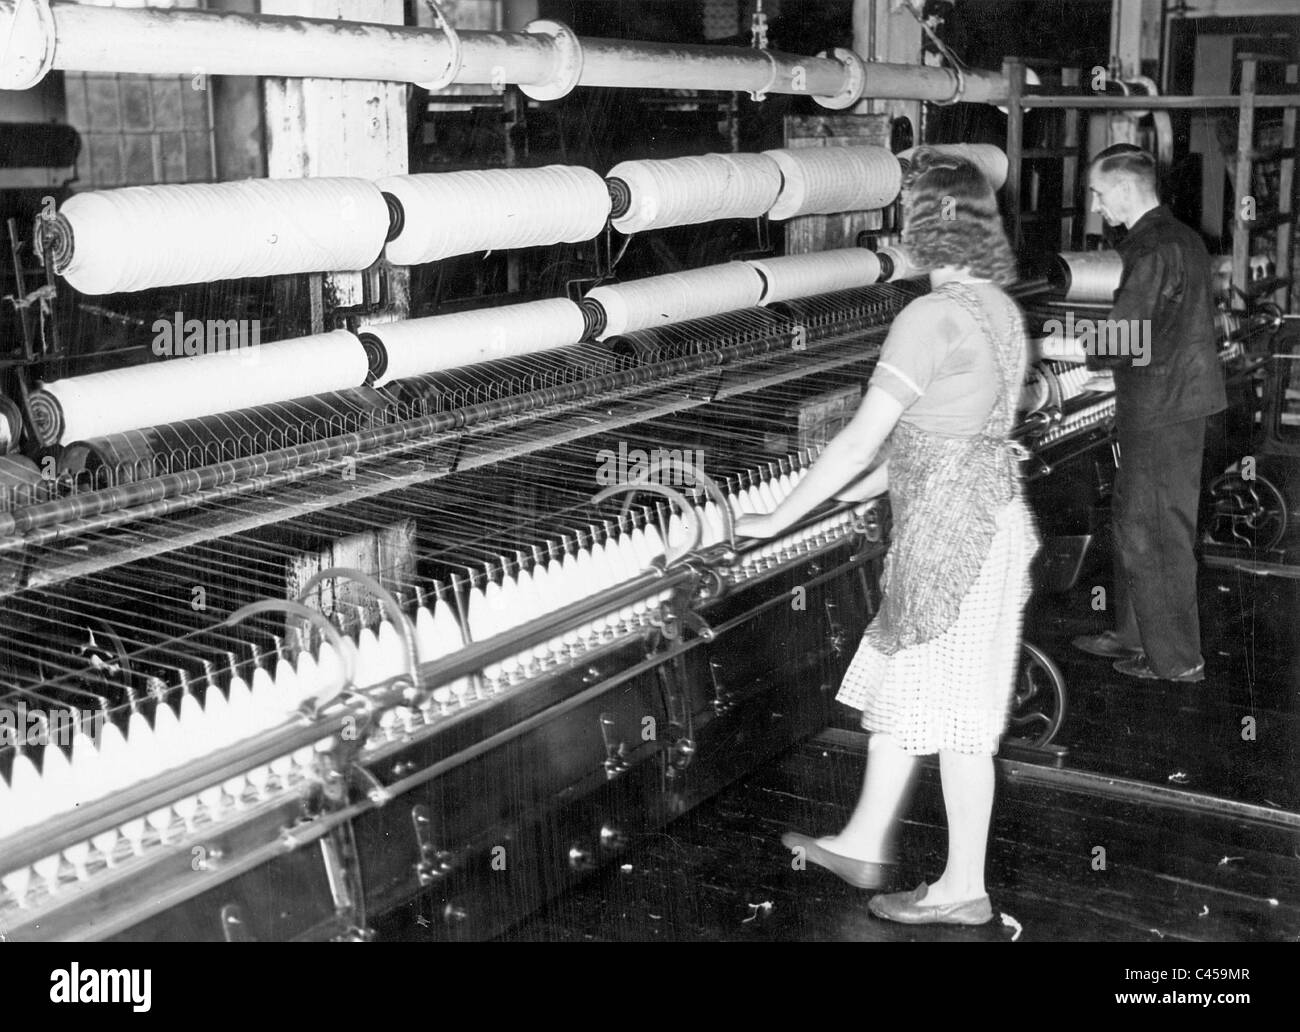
861	874
1105	644
1139	667
910	908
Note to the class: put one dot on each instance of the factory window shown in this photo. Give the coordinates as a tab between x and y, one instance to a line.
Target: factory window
722	19
139	129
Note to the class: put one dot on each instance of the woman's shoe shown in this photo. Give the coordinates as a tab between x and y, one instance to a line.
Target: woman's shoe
862	874
907	908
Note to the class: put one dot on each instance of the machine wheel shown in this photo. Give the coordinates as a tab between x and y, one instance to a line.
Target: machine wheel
1038	701
1246	513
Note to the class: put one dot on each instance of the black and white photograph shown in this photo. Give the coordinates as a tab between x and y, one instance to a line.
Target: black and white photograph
681	471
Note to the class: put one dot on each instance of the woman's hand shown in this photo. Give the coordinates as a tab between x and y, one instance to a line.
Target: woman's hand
753	525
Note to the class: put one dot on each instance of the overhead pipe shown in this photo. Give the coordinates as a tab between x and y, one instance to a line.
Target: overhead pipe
154	41
838	79
546	61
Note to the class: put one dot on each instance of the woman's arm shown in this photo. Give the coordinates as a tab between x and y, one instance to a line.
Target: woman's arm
874	483
843	461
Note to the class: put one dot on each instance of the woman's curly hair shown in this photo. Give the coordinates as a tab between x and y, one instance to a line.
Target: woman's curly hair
950	217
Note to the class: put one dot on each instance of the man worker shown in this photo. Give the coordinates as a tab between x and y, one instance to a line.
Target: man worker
1162	400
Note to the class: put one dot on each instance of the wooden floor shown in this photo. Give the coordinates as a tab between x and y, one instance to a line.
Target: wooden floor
1182	734
721	874
1198	823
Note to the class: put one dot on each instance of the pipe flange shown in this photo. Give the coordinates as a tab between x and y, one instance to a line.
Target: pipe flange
454	59
568	65
28	53
855	80
958	90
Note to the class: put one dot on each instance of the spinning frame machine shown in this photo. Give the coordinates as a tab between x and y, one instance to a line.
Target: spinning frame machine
542	662
397	652
515	653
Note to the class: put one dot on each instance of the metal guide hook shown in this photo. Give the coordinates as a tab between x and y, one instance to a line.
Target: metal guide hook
699	478
671	556
760	94
401	623
345	649
454	58
712	489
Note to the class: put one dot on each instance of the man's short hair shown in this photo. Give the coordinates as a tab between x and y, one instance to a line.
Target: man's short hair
1125	159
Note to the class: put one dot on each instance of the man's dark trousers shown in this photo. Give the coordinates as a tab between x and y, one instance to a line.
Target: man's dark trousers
1155	503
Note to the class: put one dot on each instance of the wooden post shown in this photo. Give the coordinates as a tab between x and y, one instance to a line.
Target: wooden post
864	42
1135	27
238	115
1071	168
1135	36
333	127
1014	70
882	35
1286	198
1243	186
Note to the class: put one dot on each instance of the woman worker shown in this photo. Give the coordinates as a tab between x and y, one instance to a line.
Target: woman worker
936	668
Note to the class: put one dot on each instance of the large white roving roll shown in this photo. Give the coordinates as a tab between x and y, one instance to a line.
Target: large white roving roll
172	389
451	213
826	180
151	236
687	191
441	342
1089	276
802	275
659	300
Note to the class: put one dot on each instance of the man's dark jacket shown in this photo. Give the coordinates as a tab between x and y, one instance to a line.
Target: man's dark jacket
1167	280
